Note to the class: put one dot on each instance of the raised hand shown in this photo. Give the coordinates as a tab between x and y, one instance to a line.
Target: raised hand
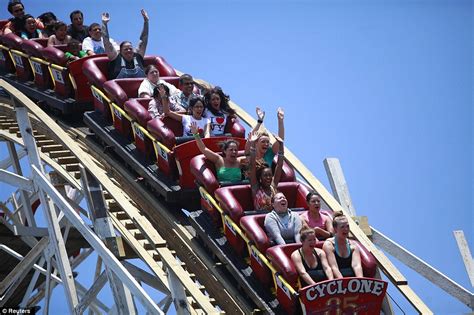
194	128
162	91
105	17
260	113
145	15
253	136
280	113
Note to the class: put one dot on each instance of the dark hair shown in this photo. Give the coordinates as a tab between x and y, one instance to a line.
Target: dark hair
93	25
156	92
47	18
260	168
19	24
185	77
74	13
194	100
338	216
311	194
305	232
58	25
225	108
149	68
124	42
73	42
224	145
13	3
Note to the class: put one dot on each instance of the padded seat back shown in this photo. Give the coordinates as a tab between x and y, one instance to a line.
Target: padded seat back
137	108
120	90
12	41
59	70
42	41
96	69
6	62
235	200
32	48
39	65
253	226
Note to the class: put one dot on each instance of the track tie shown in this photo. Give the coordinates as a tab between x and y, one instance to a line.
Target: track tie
129	225
72	167
13	129
52	147
62	153
114	206
139	236
122	215
67	160
37	137
45	142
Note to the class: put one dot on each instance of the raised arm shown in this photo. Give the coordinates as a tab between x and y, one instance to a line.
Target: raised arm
260	117
296	258
328	248
210	155
281	129
166	106
109	48
144	35
252	167
279	166
356	263
207	129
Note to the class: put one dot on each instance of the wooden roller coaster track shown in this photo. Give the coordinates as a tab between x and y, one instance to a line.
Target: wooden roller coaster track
146	229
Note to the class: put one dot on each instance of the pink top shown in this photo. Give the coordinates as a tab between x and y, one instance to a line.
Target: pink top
313	222
262	201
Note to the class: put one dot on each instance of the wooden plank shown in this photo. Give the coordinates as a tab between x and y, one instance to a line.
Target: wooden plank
62	153
53	147
424	269
338	183
466	254
20	270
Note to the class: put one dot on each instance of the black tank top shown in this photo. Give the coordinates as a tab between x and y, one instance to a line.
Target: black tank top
317	273
344	264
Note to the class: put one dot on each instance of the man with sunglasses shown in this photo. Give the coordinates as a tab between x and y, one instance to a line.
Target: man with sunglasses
17	10
186	85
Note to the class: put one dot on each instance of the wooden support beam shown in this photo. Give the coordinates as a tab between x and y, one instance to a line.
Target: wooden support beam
16	180
13	279
91	294
6	163
424	269
339	186
104	228
47	206
95	242
26	211
466	254
146	277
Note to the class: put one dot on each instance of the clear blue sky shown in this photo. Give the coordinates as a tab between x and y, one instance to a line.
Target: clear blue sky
385	86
